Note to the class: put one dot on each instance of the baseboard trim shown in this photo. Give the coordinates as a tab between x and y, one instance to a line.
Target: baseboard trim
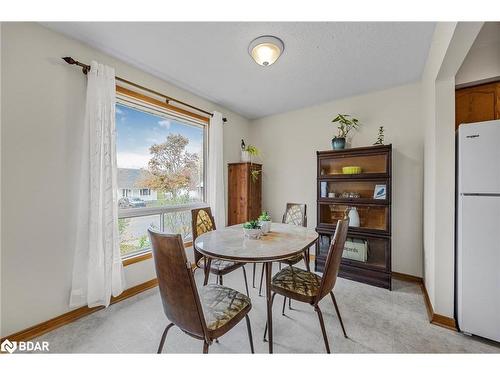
66	318
436	319
406	277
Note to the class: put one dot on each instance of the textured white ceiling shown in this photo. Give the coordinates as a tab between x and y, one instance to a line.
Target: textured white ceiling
321	62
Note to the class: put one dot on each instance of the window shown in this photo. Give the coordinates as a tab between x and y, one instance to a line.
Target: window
161	175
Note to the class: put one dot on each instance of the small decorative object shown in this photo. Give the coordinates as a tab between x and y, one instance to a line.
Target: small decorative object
351	170
356	249
350	195
324	189
345	124
331	195
252	230
353	217
265	222
247	152
379	192
380	136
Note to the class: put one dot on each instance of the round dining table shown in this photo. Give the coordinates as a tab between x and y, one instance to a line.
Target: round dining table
230	243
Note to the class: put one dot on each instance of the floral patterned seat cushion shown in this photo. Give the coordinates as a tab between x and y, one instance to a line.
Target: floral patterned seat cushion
219	265
297	281
221	304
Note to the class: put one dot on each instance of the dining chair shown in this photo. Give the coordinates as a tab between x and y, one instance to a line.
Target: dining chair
306	286
295	214
206	314
202	221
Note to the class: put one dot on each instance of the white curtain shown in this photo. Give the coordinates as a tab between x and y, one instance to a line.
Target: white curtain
98	269
215	178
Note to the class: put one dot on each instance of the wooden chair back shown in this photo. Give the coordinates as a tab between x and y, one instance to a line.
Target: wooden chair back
181	302
295	213
334	257
202	221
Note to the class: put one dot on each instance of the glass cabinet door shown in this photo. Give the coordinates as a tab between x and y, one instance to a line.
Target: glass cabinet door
366	164
364	216
355	190
368	252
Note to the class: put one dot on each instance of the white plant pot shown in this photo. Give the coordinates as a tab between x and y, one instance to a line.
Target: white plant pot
265	226
253	234
245	156
353	217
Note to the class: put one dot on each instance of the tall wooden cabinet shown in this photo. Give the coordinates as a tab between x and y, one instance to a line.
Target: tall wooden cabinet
367	252
244	192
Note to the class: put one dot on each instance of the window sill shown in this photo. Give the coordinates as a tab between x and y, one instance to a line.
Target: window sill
145	256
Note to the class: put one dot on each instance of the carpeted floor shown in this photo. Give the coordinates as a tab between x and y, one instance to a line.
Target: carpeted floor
376	320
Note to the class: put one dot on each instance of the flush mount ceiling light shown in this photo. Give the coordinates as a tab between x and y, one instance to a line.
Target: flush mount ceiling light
265	50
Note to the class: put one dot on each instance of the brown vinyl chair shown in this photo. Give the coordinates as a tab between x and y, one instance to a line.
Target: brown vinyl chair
295	214
204	315
202	221
305	286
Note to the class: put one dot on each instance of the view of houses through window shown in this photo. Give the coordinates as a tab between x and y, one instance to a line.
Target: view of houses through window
160	172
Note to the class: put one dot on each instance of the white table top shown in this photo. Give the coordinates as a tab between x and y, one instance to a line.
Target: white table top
230	243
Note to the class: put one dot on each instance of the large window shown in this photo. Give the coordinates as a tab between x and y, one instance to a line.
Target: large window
160	173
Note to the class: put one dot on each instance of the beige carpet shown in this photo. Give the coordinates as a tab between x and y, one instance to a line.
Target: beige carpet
376	320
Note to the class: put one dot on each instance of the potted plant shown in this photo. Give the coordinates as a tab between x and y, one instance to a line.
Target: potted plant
247	152
345	123
265	222
252	229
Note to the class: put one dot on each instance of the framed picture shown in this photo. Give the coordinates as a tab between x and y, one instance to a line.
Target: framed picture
379	192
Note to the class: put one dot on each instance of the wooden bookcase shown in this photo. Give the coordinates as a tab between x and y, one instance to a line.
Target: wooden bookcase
367	257
244	193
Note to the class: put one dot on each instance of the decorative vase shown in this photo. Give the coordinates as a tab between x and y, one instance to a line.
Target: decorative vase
245	156
338	143
253	234
353	217
265	226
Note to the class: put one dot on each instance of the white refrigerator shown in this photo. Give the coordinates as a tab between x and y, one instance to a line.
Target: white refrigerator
478	229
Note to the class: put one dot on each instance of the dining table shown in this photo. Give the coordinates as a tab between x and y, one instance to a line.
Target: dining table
231	244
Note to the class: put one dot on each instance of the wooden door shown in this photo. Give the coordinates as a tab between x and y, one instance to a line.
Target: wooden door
238	180
478	103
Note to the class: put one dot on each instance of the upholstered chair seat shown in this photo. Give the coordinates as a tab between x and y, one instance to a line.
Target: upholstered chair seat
219	266
222	307
296	283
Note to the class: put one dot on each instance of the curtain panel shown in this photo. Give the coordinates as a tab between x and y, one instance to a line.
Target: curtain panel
98	270
215	180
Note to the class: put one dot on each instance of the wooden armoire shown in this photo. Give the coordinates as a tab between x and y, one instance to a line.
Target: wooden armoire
244	192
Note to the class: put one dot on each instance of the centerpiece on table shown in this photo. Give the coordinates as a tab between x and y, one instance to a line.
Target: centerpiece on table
252	229
265	222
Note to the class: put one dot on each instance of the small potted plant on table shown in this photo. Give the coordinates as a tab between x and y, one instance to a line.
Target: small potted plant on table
252	229
265	222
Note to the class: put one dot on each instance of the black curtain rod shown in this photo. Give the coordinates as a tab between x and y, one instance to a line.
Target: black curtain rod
86	69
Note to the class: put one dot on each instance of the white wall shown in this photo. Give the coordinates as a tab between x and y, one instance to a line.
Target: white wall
42	102
289	143
483	60
451	43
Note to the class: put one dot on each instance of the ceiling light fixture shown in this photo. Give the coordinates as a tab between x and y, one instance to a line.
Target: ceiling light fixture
265	50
